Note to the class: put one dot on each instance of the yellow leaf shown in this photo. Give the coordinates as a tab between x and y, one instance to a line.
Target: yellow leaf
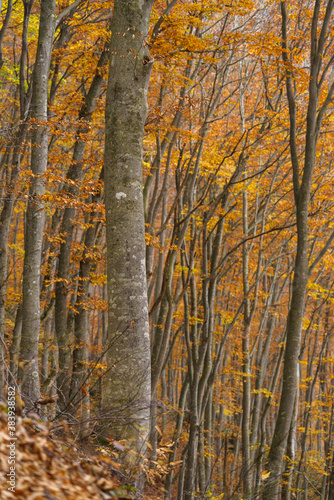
265	474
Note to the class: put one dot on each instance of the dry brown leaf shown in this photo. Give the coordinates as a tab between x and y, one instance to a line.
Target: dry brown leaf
50	468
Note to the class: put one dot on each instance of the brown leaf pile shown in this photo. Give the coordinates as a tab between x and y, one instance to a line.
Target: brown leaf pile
50	468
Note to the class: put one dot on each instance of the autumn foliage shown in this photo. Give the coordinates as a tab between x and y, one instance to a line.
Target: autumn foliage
221	239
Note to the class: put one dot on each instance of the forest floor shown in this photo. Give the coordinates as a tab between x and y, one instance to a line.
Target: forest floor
48	466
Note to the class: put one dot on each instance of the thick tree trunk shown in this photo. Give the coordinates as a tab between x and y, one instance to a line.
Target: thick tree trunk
128	385
35	211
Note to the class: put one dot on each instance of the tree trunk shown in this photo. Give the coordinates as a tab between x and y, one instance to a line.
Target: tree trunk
13	157
246	368
63	287
302	192
79	391
127	385
35	211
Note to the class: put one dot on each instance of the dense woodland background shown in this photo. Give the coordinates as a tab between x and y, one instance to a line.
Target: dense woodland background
238	204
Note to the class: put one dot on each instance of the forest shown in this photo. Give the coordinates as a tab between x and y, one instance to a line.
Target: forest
166	240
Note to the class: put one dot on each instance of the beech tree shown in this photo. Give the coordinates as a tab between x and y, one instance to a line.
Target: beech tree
35	210
128	376
302	185
12	157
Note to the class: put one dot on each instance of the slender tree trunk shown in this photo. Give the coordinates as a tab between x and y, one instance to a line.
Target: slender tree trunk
290	453
79	391
35	211
104	343
12	157
15	347
176	437
246	370
67	228
302	192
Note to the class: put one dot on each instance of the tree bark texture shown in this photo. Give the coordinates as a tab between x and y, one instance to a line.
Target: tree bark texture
127	386
34	223
302	192
12	157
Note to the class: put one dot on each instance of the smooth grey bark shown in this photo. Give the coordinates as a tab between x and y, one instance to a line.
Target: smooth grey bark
12	158
128	379
34	223
302	192
246	368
